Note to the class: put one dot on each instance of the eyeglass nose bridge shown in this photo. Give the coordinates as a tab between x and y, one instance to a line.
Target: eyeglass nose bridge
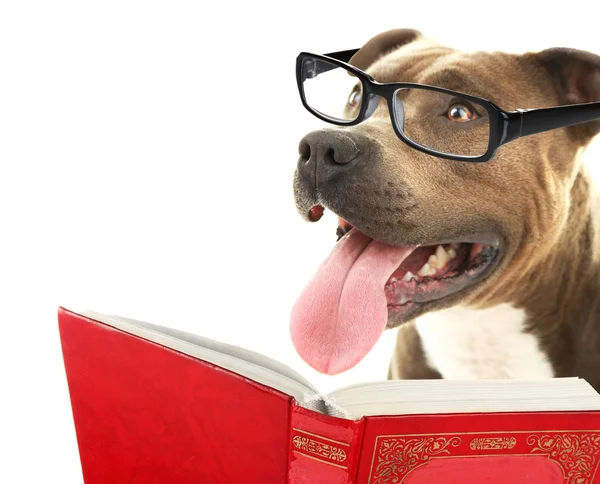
395	108
372	104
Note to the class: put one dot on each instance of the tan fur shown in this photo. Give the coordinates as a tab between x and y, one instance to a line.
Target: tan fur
539	190
535	194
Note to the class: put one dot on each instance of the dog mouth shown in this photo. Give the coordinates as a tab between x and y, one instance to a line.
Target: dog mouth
432	272
366	285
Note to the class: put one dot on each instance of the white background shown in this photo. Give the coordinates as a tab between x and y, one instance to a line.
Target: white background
146	153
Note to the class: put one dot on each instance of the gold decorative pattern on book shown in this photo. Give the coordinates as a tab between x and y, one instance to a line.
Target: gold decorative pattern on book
320	449
493	443
575	453
320	437
398	456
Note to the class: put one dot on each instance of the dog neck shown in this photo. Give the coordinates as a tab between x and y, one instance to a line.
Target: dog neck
560	292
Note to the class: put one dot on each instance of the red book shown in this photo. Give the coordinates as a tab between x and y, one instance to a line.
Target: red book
157	405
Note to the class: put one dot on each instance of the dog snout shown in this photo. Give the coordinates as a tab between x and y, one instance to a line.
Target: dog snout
328	148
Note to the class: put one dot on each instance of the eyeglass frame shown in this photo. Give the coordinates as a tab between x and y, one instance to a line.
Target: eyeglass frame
504	126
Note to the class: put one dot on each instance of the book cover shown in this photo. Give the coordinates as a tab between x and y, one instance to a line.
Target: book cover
146	413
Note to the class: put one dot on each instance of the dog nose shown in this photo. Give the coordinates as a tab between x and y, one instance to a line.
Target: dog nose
328	147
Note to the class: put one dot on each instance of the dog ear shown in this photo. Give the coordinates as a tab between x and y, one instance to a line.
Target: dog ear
381	44
576	75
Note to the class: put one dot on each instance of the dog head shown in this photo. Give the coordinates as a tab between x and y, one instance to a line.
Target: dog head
474	229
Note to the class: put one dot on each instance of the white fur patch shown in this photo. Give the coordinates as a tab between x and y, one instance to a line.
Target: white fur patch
487	343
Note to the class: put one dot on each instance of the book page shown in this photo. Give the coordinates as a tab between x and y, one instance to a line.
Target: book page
403	397
247	363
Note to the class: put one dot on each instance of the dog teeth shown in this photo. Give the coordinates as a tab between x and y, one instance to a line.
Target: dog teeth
440	258
426	270
441	253
436	261
393	279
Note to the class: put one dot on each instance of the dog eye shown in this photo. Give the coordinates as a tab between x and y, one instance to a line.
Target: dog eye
461	113
355	96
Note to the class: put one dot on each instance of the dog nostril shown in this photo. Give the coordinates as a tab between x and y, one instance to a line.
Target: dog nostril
329	156
328	148
304	151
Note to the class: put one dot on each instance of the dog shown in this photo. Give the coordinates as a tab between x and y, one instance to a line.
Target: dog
520	232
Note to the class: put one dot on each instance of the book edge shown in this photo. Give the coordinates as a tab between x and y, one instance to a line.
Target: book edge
286	385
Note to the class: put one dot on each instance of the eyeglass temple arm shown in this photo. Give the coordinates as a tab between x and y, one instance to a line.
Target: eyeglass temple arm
344	55
321	67
532	121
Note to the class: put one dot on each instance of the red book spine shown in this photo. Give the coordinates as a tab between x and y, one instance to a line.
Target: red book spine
323	449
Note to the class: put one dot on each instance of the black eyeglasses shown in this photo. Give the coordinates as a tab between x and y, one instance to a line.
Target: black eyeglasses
434	120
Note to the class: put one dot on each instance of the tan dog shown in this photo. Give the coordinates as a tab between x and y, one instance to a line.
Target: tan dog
522	228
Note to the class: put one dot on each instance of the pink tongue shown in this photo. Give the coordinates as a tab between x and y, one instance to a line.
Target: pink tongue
342	311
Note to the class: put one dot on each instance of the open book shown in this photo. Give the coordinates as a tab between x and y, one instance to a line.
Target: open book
392	397
155	404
